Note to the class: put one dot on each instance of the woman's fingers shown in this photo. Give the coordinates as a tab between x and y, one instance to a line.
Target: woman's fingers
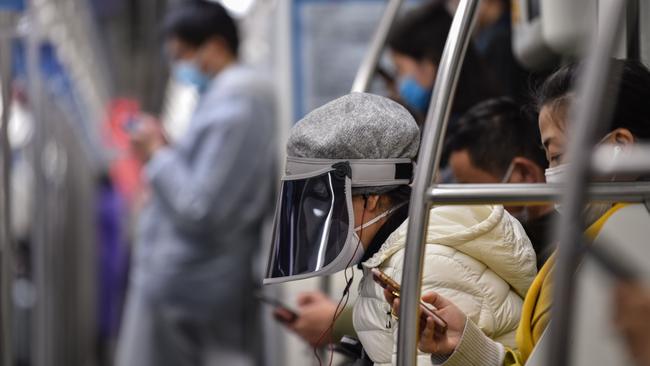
435	299
396	306
306	298
388	295
428	342
429	329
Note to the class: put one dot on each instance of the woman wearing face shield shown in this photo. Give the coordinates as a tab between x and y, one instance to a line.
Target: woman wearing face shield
344	202
463	344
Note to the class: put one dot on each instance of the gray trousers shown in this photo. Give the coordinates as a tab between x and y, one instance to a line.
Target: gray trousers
158	335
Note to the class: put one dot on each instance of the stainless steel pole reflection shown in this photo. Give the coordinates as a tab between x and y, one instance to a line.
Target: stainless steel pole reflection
434	131
591	112
369	64
8	19
533	194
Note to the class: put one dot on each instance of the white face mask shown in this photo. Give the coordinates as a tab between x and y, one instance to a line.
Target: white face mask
556	174
356	248
593	211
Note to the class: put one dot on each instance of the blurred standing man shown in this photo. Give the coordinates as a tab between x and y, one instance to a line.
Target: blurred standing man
191	278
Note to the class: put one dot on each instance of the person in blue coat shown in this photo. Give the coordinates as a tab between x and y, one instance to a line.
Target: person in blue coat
191	280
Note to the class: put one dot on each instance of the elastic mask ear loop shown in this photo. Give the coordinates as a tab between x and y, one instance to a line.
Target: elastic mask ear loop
617	150
379	217
508	175
345	297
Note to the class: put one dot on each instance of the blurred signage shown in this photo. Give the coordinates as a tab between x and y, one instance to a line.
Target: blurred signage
330	38
12	5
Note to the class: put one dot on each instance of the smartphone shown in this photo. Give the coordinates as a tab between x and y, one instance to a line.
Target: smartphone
426	310
131	124
293	315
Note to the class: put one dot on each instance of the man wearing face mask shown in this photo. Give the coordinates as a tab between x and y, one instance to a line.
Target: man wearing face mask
191	282
498	142
416	43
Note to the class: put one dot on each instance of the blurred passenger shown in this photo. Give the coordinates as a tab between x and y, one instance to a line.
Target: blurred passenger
416	43
192	279
493	41
344	201
464	344
498	142
315	313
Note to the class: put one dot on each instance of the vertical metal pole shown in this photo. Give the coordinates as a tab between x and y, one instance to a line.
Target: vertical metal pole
591	112
434	131
7	23
369	63
40	322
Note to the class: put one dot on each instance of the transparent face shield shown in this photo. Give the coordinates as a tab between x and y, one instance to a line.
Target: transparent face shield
314	220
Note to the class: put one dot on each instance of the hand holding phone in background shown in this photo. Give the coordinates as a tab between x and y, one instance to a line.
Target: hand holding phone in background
313	317
146	135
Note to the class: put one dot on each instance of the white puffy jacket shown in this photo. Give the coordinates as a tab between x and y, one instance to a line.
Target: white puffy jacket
479	257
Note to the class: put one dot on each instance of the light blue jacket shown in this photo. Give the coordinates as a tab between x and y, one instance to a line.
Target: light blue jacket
210	194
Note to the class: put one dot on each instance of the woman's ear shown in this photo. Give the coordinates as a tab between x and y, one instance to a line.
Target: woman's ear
621	136
372	203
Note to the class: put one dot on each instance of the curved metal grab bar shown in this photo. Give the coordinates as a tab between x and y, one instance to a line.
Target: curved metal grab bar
369	64
532	194
435	126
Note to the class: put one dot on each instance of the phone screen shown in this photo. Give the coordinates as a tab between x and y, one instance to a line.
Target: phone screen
426	310
292	315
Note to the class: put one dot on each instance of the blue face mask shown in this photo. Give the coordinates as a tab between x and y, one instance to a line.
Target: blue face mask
414	95
186	72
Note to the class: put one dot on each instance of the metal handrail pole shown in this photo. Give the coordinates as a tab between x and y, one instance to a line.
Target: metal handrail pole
369	63
434	131
39	344
533	194
7	23
591	112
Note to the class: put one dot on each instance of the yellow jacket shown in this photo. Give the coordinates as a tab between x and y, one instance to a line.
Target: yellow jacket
536	311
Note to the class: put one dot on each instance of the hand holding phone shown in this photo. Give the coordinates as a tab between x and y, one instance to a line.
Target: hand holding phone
282	312
426	310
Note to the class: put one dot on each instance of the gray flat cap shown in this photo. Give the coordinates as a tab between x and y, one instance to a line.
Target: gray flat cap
356	126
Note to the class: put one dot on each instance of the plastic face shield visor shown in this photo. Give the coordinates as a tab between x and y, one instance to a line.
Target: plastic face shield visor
314	220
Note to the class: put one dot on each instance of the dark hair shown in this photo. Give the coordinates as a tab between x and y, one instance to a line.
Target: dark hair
421	34
496	131
632	109
197	21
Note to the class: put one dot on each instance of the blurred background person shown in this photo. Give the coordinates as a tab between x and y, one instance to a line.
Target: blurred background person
493	42
191	285
416	42
498	141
